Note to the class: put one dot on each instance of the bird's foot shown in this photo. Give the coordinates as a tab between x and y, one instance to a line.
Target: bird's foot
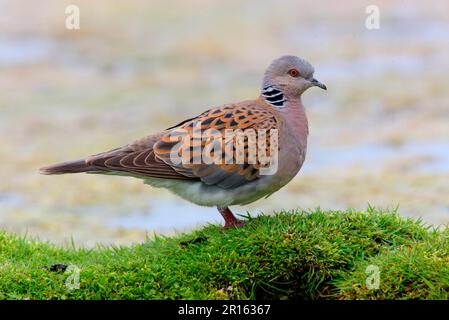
230	220
234	224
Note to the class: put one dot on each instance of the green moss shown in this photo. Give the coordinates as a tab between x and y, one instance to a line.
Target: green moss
291	255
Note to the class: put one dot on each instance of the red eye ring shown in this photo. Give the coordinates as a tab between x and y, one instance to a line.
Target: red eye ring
294	73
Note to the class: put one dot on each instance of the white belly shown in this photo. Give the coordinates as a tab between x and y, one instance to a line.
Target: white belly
206	195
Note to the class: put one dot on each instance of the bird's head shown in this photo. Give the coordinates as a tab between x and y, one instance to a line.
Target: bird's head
291	75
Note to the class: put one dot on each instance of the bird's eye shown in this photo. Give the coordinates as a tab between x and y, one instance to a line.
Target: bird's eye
294	73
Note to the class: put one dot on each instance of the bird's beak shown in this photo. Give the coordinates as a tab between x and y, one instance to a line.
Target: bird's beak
318	84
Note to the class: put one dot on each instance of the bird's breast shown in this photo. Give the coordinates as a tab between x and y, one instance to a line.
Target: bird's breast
293	139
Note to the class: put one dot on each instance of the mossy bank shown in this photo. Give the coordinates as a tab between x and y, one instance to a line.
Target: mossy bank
290	255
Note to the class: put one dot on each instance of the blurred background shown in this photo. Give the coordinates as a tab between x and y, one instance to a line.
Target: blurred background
379	135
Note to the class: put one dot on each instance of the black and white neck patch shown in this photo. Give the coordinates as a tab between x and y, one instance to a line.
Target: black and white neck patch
273	96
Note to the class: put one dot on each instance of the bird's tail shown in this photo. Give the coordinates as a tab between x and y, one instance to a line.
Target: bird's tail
76	166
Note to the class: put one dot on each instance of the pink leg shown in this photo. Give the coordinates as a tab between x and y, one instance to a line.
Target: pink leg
230	220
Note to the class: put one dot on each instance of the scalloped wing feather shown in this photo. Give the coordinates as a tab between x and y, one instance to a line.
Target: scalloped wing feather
153	156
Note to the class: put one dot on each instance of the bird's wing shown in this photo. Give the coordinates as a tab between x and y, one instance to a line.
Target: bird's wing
136	159
180	152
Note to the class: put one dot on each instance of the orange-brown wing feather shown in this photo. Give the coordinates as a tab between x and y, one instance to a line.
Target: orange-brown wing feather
136	159
153	156
216	157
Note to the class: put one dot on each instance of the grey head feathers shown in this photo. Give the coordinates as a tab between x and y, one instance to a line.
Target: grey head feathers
279	85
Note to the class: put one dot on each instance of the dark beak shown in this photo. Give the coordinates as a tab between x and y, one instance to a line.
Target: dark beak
318	84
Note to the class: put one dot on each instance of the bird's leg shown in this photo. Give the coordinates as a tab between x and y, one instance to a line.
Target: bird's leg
230	220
